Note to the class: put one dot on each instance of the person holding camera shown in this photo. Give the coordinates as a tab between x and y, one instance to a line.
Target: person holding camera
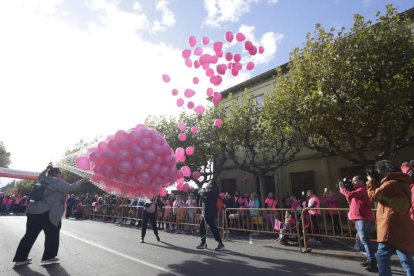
46	215
208	197
390	188
360	211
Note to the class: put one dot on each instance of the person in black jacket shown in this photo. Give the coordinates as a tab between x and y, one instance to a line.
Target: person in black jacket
150	213
208	198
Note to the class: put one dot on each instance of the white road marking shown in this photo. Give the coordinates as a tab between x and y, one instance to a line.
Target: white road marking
121	254
250	239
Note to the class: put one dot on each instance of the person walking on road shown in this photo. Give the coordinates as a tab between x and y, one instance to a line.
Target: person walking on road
209	215
46	214
150	212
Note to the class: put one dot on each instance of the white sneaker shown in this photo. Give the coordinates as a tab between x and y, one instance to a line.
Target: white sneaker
28	261
50	261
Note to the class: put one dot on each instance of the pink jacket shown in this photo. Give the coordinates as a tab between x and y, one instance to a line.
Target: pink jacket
359	203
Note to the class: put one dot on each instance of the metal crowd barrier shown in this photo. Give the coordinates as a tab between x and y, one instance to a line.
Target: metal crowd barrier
329	223
301	226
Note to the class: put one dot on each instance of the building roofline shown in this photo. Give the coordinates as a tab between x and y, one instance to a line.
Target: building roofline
272	72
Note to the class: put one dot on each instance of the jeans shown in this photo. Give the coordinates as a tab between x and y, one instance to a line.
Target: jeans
363	228
384	253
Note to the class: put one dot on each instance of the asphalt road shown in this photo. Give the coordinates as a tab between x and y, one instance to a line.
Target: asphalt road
96	248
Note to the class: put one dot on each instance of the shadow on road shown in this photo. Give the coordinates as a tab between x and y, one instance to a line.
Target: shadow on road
53	269
227	266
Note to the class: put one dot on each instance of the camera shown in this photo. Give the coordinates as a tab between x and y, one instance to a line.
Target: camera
347	184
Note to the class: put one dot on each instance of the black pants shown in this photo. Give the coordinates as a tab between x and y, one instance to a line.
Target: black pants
35	224
211	222
315	226
151	217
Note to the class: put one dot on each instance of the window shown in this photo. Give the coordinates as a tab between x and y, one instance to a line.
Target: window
259	100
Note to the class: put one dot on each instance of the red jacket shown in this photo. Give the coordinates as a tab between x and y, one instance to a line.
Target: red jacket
359	203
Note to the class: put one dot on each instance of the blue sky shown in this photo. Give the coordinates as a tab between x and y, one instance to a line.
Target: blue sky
75	70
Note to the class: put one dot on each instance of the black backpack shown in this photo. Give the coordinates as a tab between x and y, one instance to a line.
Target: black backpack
38	192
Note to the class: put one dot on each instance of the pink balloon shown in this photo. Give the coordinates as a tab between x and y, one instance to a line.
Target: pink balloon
190	105
82	162
248	45
214	59
229	56
204	59
185	187
217	46
250	65
174	92
125	167
217	123
237	57
186	53
182	137
95	156
196	64
238	66
149	156
144	178
219	54
180	102
186	171
199	109
189	150
206	40
209	72
182	159
195	80
189	93
194	130
240	37
163	192
179	151
196	175
261	49
209	92
229	36
221	69
234	72
253	51
179	175
192	41
179	187
138	164
216	98
182	126
166	78
102	146
188	62
198	51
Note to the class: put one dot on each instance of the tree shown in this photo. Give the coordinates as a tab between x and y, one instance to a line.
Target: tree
4	156
258	139
206	148
352	94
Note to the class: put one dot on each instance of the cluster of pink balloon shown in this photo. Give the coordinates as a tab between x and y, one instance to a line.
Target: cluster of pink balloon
216	64
136	162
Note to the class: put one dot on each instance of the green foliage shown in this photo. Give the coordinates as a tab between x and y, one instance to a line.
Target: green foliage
349	93
258	139
4	156
206	148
